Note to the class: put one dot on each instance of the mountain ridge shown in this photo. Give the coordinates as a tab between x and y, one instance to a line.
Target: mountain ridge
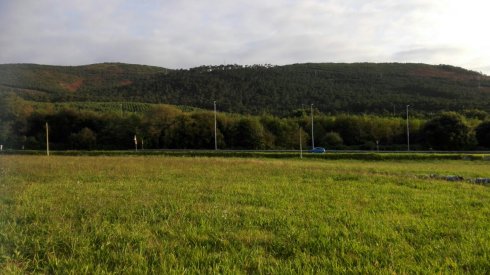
331	87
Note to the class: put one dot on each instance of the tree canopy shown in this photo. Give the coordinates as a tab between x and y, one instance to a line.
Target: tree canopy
447	131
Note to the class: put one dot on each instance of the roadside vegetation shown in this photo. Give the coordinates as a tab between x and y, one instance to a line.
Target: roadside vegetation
112	126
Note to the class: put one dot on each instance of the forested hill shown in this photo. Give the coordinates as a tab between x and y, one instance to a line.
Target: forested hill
331	87
53	83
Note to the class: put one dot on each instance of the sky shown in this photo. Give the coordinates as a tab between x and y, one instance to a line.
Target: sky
188	33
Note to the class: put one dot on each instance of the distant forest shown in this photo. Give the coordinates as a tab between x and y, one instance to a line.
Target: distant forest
359	88
355	106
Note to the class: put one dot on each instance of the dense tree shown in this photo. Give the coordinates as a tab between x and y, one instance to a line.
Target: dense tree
483	134
249	134
333	88
14	114
447	131
203	127
5	132
280	133
13	108
85	139
475	114
182	133
157	122
165	126
350	129
333	140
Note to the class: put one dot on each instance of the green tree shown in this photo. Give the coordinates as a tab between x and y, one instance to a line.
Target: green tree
249	134
85	139
333	139
14	113
157	122
5	132
476	114
483	133
447	131
280	133
181	133
203	131
14	108
349	127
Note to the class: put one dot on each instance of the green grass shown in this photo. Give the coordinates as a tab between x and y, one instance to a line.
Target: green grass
161	214
331	155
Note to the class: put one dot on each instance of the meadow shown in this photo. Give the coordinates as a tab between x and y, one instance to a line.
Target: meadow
169	214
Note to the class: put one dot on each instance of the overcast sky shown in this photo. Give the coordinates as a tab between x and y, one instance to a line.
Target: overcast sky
187	33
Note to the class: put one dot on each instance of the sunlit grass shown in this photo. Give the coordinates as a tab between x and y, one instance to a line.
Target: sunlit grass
162	214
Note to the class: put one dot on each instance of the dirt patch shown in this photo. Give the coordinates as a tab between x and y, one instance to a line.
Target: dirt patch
484	89
125	82
74	86
441	73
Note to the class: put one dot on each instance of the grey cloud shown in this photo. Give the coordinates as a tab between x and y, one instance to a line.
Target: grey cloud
189	33
426	53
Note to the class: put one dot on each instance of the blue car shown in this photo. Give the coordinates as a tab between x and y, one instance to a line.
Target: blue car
317	150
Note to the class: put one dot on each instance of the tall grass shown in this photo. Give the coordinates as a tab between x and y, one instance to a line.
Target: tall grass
156	214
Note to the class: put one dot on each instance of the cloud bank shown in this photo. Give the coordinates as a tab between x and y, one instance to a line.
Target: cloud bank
187	33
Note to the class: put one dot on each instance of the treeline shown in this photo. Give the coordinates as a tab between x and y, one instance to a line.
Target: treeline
166	126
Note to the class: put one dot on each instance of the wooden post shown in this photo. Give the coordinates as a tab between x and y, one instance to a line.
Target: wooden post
312	134
408	132
300	145
47	139
215	137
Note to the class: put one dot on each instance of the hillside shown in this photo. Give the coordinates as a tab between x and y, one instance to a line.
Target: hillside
48	83
331	87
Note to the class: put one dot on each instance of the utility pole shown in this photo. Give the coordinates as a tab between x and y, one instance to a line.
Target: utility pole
215	129
300	144
408	132
135	143
47	139
312	134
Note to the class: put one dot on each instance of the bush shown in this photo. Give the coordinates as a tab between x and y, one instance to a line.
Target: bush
483	133
447	131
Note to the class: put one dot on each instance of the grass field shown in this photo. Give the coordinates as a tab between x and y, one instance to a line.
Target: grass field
157	214
330	155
